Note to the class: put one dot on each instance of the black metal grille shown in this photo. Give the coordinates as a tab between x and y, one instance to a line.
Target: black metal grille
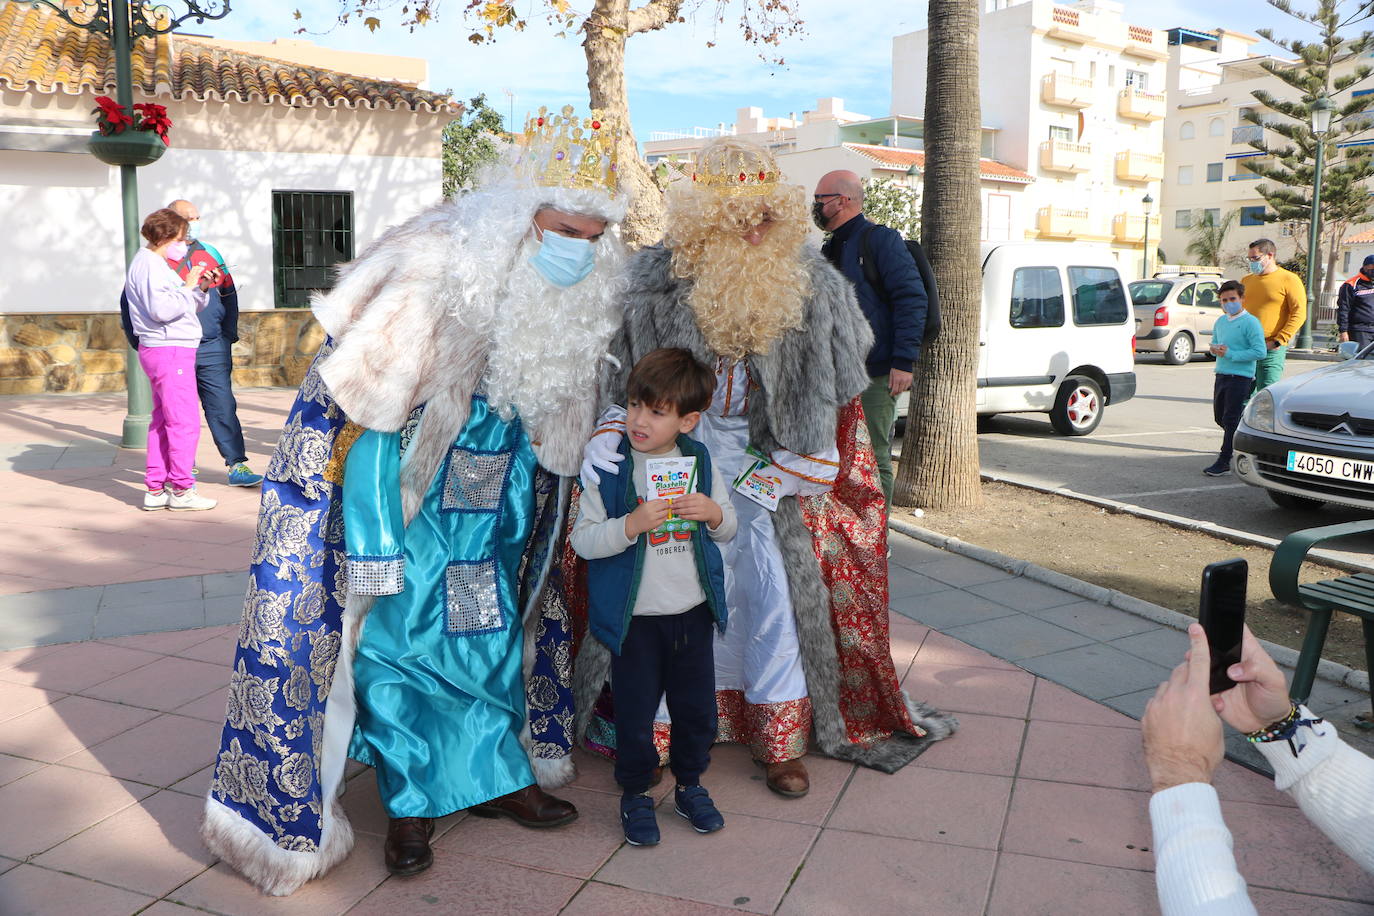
1327	421
312	231
1275	468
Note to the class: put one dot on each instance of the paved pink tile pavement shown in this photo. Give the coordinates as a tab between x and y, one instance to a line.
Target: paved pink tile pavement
1037	805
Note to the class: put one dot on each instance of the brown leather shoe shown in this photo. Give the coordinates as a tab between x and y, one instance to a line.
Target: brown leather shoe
407	845
529	807
788	778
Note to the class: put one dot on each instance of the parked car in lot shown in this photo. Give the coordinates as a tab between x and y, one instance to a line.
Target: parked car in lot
1174	315
1054	318
1309	439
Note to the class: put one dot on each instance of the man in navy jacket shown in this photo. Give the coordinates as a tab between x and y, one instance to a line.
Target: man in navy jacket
898	318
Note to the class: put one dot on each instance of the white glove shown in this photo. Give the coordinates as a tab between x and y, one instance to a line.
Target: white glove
602	451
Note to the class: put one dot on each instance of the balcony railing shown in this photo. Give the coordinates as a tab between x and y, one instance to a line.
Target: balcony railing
1140	105
1066	91
1063	156
1067	25
1054	222
1250	133
1129	228
1141	167
1141	42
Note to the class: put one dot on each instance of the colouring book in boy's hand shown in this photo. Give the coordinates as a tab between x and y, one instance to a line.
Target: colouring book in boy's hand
763	489
669	478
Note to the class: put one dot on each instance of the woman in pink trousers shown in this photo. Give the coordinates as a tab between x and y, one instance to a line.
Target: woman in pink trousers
162	311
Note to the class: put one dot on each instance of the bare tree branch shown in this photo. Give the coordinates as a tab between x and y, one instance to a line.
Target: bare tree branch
653	15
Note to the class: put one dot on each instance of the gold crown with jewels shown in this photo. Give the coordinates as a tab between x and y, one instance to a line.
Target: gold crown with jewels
736	167
566	151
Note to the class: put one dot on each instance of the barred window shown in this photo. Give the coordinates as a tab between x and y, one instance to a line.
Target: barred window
312	231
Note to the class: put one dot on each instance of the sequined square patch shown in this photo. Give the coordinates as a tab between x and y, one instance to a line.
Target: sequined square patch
472	599
474	481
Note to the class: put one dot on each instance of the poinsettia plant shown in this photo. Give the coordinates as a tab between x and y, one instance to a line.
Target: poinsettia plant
113	118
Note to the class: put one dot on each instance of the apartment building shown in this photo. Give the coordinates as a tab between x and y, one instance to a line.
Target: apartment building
1075	95
829	137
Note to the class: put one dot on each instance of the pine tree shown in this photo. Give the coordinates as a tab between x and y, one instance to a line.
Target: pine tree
1346	170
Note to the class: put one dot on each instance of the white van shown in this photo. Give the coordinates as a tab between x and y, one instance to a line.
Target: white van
1057	334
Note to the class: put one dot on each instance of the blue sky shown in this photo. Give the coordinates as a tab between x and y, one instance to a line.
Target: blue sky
675	80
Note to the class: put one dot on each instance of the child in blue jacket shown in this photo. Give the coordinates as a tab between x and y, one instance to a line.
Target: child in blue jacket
655	595
1238	344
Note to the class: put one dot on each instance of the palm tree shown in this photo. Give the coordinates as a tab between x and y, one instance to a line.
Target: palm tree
1206	236
939	465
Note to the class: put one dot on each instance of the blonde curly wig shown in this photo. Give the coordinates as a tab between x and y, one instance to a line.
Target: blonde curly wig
744	295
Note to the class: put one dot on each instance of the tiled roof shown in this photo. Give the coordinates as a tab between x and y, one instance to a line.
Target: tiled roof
39	52
1360	238
898	158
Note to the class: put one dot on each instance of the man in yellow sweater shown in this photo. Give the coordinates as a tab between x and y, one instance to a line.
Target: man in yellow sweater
1277	298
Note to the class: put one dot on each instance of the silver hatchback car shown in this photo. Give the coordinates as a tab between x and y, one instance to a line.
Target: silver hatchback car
1174	315
1309	439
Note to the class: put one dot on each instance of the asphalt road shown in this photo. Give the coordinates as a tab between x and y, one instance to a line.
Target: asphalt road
1150	452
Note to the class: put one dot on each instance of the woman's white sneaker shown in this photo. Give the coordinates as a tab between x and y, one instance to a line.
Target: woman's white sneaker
154	501
189	501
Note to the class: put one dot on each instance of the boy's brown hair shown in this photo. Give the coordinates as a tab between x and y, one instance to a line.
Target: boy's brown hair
1232	286
671	377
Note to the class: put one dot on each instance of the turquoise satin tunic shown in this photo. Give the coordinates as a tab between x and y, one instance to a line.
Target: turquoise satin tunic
437	672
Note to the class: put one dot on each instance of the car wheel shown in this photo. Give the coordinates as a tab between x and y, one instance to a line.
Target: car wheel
1298	503
1078	406
1180	350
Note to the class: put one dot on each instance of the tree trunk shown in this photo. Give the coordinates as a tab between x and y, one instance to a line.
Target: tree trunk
607	28
939	466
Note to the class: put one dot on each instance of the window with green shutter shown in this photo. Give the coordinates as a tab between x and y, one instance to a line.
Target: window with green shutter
312	232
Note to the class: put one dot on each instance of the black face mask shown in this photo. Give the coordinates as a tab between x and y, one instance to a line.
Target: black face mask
818	214
1367	272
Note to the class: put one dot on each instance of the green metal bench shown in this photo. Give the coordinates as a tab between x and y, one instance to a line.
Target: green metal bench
1351	594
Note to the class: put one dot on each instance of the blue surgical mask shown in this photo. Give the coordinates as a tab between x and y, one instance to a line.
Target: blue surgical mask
563	261
193	231
1231	306
1256	267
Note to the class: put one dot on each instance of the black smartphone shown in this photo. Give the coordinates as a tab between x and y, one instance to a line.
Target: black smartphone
1222	615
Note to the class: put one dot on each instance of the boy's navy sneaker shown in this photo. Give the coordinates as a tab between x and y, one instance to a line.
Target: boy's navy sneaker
694	803
638	820
1217	469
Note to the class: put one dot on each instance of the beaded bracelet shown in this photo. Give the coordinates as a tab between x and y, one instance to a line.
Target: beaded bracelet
1275	731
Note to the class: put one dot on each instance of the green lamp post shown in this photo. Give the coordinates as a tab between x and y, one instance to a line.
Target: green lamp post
123	21
1321	125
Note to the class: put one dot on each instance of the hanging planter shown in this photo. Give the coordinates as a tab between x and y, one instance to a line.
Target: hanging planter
114	143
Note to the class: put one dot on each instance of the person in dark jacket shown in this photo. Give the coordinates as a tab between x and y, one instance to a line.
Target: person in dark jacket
898	318
1355	305
219	324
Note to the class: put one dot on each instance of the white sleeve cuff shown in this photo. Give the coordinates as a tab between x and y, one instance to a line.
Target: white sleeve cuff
1310	745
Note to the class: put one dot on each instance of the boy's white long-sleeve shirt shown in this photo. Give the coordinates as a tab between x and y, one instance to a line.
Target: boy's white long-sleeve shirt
1195	870
668	582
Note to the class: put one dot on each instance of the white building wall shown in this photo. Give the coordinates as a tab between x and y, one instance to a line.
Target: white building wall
68	206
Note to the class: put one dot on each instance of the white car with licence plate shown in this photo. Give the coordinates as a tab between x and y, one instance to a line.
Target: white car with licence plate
1309	439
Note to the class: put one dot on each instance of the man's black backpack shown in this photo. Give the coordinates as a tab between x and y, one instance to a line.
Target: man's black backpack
918	255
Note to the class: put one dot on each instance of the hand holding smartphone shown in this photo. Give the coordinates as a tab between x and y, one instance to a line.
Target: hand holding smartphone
1222	615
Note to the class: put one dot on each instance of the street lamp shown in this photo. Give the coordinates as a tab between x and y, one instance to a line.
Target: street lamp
1147	200
123	21
1321	125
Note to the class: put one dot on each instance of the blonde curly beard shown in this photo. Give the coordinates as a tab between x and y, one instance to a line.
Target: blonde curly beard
744	296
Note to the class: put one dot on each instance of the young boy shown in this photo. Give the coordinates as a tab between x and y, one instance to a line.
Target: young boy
1238	344
654	595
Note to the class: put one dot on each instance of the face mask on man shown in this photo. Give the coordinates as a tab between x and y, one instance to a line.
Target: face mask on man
563	261
1257	267
1367	272
1231	306
193	230
818	214
177	251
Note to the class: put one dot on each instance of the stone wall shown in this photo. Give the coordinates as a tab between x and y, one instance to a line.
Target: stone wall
77	352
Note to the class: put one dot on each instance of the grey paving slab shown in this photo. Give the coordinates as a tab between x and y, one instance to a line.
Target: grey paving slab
1018	637
1163	646
99	457
149	618
1098	671
912	553
219	585
1023	594
52	602
223	610
903	583
153	591
18	633
963	572
1096	620
1132	704
950	608
1243	752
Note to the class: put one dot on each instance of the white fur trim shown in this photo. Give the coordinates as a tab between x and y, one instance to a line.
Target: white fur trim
553	773
252	853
